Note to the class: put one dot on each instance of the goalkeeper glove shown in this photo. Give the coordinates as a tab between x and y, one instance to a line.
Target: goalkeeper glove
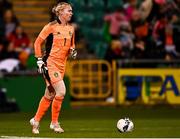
40	65
73	53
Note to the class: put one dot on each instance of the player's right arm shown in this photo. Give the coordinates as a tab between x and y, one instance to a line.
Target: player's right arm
38	43
40	39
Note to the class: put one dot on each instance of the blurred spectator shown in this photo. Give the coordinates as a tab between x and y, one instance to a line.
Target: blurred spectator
114	51
177	2
20	44
115	20
176	31
169	7
4	5
160	7
3	49
129	8
126	39
155	29
155	11
9	65
4	53
139	50
145	8
139	26
159	30
170	45
10	22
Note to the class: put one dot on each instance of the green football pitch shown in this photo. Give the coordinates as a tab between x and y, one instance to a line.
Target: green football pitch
96	122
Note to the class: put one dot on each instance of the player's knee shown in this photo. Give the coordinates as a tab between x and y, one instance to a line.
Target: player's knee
61	91
61	94
50	96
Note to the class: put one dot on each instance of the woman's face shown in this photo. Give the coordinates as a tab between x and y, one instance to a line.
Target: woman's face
8	16
135	15
67	13
19	30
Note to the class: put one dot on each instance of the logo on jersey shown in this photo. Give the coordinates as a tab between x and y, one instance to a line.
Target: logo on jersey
70	33
56	74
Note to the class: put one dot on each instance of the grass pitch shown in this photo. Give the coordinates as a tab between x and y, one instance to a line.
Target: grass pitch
157	121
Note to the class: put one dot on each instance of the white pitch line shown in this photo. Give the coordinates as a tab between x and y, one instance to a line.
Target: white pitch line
16	137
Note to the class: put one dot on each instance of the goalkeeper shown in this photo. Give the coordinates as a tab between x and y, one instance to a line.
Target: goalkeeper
53	68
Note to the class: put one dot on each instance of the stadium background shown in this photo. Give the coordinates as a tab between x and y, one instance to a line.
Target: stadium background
127	66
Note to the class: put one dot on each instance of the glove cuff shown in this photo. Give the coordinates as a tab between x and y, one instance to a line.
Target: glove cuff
39	58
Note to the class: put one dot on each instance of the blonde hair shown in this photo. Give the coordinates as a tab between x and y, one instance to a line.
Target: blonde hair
57	9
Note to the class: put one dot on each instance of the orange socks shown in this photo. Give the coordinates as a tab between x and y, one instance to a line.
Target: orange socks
43	106
56	107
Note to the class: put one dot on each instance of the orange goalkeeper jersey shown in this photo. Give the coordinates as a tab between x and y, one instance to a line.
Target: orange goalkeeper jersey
63	40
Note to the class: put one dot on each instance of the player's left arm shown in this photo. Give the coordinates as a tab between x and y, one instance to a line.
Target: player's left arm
73	51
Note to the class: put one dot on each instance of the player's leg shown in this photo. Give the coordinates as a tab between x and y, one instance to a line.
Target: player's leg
43	107
56	105
44	104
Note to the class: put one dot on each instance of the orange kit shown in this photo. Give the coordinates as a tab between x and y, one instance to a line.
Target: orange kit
63	40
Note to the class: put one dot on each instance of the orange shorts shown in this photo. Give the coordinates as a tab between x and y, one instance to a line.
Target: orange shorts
56	72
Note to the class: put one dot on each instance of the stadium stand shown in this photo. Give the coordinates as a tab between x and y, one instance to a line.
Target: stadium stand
33	15
94	31
89	16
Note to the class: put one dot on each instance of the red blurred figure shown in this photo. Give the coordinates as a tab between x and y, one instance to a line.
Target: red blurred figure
20	44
